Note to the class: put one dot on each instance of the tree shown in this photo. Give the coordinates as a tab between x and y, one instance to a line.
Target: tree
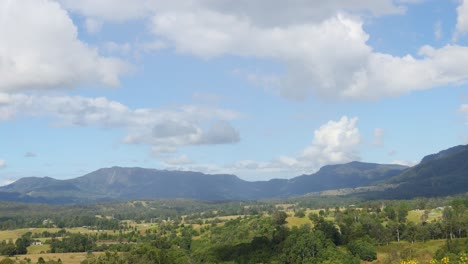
8	249
328	228
411	232
279	218
303	245
423	233
362	249
300	213
22	244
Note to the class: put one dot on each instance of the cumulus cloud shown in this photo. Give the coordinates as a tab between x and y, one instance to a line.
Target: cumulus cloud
322	45
40	49
378	139
165	129
334	142
325	57
2	164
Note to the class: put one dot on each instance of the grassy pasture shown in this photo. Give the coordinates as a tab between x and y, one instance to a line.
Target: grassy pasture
415	215
36	249
67	258
16	233
422	251
296	221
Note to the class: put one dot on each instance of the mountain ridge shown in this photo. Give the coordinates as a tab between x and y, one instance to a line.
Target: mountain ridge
139	183
442	173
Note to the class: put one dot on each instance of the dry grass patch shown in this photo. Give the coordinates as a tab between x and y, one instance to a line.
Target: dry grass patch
37	249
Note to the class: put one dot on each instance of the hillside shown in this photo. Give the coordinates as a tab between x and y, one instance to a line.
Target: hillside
350	175
139	183
443	173
439	174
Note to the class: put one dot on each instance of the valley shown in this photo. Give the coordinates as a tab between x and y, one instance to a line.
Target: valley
347	213
440	174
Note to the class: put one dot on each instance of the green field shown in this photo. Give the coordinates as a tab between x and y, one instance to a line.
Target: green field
37	249
421	251
415	215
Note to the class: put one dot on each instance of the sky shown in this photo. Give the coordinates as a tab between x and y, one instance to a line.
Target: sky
260	89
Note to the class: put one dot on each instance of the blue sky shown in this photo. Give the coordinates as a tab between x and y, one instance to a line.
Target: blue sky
263	89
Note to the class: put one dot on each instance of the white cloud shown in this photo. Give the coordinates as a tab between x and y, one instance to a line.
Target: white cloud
322	45
378	139
2	164
462	19
165	129
327	57
40	49
334	142
262	12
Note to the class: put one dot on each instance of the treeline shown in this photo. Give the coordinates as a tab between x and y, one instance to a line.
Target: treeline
19	215
19	247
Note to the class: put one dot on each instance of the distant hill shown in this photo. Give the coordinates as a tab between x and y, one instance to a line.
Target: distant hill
438	174
134	183
350	175
139	183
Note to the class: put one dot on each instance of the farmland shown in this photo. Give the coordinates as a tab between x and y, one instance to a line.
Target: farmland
192	231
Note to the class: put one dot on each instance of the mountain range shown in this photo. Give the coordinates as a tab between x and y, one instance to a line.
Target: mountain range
443	173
